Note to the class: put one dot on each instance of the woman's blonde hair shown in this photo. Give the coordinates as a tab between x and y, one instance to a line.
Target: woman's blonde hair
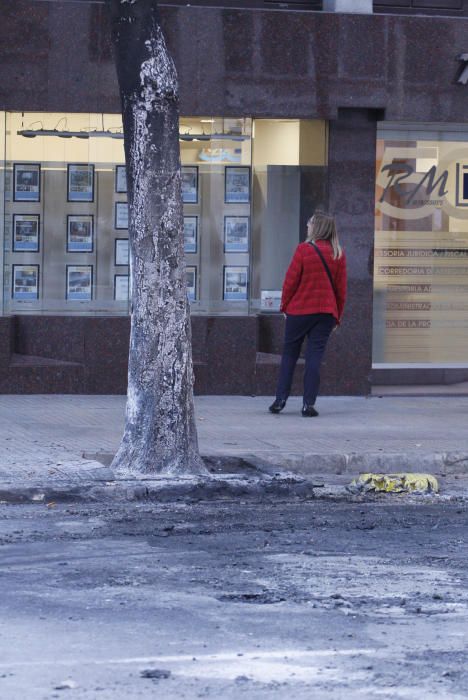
322	227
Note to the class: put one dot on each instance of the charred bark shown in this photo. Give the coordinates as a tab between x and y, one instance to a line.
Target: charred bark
160	433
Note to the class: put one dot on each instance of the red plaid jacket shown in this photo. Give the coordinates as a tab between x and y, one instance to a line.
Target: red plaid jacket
307	289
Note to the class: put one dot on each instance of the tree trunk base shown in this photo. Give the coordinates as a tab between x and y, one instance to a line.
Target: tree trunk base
128	465
160	431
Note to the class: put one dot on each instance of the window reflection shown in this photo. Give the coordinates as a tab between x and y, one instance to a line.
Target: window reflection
421	247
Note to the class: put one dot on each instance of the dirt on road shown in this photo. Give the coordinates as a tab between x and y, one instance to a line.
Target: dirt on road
328	598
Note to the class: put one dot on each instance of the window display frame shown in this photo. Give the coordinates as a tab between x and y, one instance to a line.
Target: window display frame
34	167
117	216
226	270
13	273
242	197
70	170
116	276
193	249
117	254
193	170
189	270
119	178
67	282
229	248
90	218
14	247
270	300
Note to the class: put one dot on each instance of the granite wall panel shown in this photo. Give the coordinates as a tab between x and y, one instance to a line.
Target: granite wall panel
110	378
231	62
231	354
39	358
200	371
199	333
106	340
26	378
270	329
106	355
6	339
53	337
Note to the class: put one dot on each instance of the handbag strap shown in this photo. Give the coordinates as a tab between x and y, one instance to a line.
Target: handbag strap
324	262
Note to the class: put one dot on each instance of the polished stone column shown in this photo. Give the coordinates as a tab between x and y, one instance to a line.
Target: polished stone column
351	200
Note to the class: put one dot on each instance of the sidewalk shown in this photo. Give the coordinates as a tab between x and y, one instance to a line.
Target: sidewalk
44	439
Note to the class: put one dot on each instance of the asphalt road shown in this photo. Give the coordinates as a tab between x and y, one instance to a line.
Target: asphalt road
325	599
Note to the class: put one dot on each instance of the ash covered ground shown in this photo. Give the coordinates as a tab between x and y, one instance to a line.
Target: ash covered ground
327	598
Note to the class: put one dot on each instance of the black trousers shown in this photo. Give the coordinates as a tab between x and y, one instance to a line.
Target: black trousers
317	328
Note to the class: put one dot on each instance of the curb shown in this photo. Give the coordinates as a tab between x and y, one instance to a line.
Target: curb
162	490
308	463
269	475
439	463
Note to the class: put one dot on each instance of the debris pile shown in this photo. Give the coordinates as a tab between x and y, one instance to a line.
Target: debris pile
404	482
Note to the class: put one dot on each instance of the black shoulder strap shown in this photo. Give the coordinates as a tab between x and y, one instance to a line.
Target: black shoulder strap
324	262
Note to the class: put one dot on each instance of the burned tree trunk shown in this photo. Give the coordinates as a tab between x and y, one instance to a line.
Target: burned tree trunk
160	433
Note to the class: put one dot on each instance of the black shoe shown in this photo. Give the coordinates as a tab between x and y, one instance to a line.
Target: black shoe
309	411
277	406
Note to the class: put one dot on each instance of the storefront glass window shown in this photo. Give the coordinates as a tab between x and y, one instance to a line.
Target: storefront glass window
2	200
289	181
217	193
65	218
421	247
248	189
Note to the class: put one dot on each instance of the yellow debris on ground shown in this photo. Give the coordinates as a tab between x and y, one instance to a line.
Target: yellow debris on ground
404	482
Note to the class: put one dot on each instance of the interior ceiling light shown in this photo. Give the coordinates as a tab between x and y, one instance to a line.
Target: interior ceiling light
194	137
231	137
32	133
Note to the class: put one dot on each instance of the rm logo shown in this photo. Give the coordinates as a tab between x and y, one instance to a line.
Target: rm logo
462	77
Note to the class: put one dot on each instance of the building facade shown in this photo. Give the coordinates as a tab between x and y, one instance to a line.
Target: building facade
354	107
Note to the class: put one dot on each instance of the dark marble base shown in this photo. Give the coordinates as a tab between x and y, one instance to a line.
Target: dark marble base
81	355
232	355
346	364
418	377
267	375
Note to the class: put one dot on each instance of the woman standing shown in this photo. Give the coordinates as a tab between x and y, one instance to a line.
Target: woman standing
314	294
